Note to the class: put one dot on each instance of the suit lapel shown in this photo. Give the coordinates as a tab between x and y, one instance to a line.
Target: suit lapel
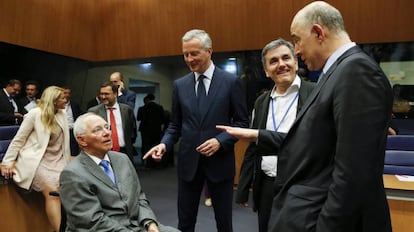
213	92
123	113
95	170
262	119
320	85
117	167
59	120
189	94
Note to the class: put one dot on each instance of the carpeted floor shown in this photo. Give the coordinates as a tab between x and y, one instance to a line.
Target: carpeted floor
160	187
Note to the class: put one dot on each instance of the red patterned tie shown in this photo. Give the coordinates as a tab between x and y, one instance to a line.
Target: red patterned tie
115	141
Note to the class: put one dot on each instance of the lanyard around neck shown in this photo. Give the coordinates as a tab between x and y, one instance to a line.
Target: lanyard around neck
284	116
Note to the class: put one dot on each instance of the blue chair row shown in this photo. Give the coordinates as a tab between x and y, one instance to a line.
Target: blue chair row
6	135
399	155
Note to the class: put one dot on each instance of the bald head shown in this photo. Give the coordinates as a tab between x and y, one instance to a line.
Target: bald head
317	31
320	13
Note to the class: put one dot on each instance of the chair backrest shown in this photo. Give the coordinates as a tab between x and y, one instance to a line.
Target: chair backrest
400	142
404	126
399	156
399	162
6	135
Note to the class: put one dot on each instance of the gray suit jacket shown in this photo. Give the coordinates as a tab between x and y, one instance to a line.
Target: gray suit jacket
129	125
93	203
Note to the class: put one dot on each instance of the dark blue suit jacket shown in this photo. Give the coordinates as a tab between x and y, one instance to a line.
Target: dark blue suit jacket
226	105
128	97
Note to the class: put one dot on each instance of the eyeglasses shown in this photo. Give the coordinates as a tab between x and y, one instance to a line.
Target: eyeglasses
100	129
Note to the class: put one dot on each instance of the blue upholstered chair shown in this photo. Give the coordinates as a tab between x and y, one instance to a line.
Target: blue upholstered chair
6	135
399	155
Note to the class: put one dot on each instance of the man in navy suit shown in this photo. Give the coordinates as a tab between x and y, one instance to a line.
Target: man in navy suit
201	99
125	95
331	162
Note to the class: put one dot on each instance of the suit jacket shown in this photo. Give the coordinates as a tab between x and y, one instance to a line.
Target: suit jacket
23	101
129	125
29	145
76	110
93	102
7	110
128	97
226	105
331	161
151	116
94	203
251	166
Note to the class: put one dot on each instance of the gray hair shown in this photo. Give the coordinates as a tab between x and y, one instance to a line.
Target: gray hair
200	35
275	44
325	15
79	126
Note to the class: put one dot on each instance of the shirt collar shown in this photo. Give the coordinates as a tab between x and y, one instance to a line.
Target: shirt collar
115	106
208	73
97	160
336	55
7	94
294	87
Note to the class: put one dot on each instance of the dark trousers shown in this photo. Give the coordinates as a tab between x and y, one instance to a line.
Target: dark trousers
148	141
189	199
264	206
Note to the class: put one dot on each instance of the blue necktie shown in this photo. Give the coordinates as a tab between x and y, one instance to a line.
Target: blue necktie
108	170
201	94
320	78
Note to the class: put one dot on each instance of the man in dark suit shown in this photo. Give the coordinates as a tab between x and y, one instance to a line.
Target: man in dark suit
94	101
11	112
100	189
29	101
330	164
125	95
151	117
276	111
73	111
123	116
205	153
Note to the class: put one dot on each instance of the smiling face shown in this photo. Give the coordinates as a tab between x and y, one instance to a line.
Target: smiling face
281	66
108	97
60	102
197	58
13	90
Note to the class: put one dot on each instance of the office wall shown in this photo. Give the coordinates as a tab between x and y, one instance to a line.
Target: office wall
102	30
65	27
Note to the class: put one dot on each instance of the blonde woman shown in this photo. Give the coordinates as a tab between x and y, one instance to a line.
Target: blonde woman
40	150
